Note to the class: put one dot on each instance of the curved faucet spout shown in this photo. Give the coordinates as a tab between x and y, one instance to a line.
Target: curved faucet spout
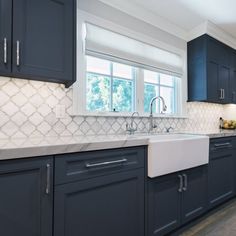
163	104
164	108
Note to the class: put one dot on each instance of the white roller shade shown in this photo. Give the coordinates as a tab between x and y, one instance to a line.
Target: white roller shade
100	40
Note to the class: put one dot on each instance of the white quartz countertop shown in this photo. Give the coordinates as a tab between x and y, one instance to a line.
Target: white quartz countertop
31	147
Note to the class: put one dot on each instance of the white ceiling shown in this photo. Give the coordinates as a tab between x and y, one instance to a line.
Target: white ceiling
181	15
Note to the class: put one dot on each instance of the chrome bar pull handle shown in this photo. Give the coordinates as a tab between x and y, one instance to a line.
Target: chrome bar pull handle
223	145
48	184
180	183
106	163
185	182
5	51
18	53
223	93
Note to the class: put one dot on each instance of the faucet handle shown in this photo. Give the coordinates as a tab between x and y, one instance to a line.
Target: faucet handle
130	128
168	129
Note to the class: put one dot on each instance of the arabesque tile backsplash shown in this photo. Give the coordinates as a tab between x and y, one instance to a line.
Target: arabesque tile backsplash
28	109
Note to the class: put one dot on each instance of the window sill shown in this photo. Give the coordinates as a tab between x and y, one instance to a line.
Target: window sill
120	114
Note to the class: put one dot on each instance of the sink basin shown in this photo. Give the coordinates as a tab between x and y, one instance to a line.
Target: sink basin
176	152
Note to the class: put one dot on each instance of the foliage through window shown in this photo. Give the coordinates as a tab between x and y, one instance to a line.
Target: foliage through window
159	84
112	86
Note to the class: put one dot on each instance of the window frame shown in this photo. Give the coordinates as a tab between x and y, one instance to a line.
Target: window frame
112	77
79	87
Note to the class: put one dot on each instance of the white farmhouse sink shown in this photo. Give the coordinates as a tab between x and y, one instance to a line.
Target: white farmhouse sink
175	152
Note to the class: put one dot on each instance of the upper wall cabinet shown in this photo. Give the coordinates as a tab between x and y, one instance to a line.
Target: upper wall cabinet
5	36
209	70
233	78
42	40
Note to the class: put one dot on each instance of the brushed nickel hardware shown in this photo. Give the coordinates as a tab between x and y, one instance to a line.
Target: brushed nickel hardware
180	183
48	185
90	165
18	53
5	51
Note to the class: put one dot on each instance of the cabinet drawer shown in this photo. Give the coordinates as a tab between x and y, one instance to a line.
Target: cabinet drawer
77	166
221	144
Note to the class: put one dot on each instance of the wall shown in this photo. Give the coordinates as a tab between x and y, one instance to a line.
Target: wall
102	10
27	108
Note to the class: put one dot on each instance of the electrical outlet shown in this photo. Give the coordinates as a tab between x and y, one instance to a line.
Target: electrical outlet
60	111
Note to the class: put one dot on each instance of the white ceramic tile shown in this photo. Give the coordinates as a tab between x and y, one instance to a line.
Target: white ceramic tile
19	118
27	108
9	108
4	98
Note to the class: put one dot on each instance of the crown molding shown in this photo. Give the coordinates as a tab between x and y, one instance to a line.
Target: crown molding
148	17
213	30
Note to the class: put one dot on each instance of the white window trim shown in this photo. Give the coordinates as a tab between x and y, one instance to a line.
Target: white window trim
79	93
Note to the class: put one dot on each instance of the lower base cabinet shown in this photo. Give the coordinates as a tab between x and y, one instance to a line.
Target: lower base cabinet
26	197
104	194
176	199
221	176
110	205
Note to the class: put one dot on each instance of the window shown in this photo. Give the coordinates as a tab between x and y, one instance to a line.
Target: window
110	86
159	84
121	71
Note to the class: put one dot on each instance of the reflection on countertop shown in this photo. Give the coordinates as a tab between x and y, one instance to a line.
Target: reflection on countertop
41	146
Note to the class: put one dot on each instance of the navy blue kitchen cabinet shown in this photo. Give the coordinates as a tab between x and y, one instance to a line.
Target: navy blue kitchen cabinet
100	193
194	197
221	171
176	199
26	197
5	36
164	204
233	78
209	70
42	37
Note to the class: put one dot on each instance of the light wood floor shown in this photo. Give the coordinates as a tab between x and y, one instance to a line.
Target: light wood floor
220	223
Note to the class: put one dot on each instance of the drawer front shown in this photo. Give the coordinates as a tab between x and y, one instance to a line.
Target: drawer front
221	144
78	166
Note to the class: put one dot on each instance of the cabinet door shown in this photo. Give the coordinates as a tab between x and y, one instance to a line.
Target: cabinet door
233	86
44	40
213	92
107	205
195	193
220	177
233	78
5	36
223	83
26	208
218	75
164	202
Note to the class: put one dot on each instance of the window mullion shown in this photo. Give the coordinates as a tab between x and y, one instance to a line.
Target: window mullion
111	88
140	90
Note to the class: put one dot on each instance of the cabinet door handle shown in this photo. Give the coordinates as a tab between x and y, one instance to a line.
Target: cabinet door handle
48	184
222	145
106	163
220	93
18	53
223	93
180	183
5	51
185	182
